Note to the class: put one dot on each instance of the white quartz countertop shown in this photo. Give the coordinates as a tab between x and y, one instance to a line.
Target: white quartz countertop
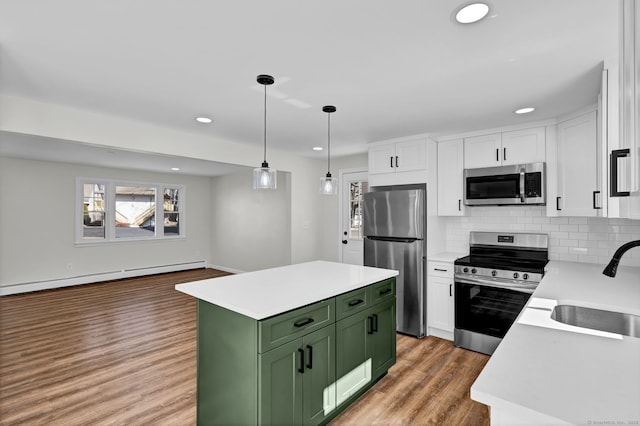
563	372
269	292
445	256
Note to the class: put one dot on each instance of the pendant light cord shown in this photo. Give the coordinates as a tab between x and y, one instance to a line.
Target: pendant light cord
329	143
265	123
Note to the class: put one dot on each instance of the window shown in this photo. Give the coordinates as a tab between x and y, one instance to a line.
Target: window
135	211
171	211
119	211
93	211
356	189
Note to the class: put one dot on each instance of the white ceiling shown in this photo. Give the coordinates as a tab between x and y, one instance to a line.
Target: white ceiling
392	68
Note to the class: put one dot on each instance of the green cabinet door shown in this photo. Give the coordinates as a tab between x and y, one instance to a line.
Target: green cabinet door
294	379
280	385
381	344
319	375
351	342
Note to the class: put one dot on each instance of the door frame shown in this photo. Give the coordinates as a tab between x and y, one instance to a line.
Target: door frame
341	174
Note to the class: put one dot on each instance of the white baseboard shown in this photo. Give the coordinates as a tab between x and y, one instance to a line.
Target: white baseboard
105	276
443	334
225	269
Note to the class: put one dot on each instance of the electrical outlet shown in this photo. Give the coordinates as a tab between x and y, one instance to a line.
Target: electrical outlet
69	266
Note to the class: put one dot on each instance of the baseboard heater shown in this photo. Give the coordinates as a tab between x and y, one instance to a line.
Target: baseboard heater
102	276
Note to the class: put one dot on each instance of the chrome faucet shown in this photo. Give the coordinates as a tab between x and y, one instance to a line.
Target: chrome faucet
612	267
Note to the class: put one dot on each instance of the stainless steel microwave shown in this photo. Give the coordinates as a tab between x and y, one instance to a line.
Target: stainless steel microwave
505	185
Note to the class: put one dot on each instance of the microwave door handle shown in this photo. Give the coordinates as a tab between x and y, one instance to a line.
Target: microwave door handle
522	172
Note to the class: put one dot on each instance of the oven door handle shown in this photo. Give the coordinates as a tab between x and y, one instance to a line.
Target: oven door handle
495	284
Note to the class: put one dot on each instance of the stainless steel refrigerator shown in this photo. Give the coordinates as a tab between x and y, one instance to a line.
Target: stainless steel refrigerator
395	231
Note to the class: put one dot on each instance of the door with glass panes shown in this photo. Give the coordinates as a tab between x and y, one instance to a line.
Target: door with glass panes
354	185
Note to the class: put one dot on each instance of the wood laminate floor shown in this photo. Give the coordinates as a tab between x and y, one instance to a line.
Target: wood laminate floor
124	353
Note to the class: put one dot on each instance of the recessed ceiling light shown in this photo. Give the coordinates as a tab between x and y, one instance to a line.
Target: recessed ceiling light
175	169
205	120
471	13
317	148
524	110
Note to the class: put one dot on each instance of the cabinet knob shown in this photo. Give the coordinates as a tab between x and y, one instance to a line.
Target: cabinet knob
345	241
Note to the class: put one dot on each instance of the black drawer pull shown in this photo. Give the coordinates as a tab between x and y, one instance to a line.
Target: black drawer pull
369	325
302	323
310	363
375	322
301	353
355	302
385	291
440	269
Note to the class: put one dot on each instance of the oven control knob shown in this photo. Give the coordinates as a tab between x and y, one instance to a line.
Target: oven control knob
494	273
525	276
473	271
516	275
465	270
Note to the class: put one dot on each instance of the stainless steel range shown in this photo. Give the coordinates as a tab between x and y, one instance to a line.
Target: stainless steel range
494	283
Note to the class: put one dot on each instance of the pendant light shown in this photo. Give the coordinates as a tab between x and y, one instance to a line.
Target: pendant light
265	177
328	184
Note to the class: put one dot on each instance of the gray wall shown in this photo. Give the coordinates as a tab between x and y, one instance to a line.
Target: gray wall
250	229
37	224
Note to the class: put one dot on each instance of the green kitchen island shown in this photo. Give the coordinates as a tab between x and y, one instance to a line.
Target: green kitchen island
293	345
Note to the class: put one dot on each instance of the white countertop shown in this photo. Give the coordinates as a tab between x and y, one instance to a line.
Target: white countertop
564	372
445	256
269	292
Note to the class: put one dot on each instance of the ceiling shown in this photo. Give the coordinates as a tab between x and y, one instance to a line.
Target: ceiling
392	69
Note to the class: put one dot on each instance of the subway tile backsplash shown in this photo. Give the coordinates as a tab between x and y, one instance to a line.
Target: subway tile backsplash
576	239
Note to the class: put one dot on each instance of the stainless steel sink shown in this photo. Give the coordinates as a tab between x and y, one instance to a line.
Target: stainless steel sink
596	319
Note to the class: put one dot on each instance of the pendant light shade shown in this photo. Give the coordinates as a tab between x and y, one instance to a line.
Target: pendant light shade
328	184
265	177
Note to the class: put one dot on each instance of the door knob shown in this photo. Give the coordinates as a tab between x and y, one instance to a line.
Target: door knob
344	241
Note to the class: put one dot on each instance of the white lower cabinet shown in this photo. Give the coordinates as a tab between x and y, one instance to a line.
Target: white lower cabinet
440	300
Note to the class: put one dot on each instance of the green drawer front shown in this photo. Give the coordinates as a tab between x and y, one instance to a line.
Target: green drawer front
352	302
283	328
383	290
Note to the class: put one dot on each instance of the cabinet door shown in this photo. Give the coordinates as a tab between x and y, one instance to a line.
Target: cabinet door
483	151
382	158
353	367
578	181
411	155
450	178
318	379
351	342
523	146
440	301
381	342
280	385
630	103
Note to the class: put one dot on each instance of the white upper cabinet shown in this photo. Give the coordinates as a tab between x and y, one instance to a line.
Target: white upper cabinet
402	161
450	178
506	148
483	151
381	158
523	146
578	168
626	158
401	156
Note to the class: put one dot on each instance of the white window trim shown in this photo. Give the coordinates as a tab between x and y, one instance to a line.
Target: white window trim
110	216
